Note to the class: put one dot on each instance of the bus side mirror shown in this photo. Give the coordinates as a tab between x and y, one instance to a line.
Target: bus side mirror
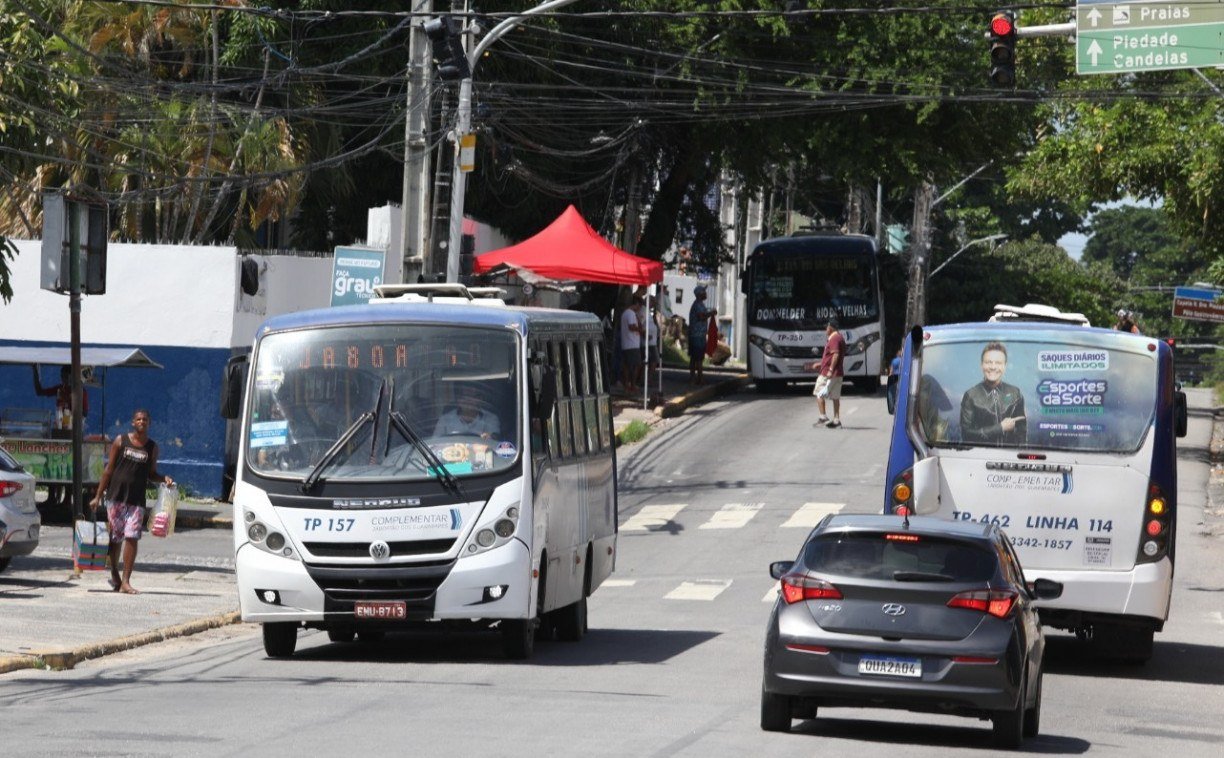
232	383
744	281
1180	420
543	390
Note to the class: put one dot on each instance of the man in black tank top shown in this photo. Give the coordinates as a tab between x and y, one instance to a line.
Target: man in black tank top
131	468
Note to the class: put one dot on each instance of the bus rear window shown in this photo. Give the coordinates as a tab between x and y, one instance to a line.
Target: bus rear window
874	556
1036	394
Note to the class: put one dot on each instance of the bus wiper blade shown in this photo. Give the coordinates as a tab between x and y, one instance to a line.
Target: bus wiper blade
313	477
921	576
435	463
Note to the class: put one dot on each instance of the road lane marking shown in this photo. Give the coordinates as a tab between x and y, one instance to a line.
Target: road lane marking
810	514
652	518
772	595
732	516
701	589
618	583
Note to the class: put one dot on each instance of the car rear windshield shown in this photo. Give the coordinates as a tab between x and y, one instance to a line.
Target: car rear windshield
884	555
7	463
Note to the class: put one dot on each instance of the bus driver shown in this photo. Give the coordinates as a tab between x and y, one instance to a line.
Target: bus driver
469	418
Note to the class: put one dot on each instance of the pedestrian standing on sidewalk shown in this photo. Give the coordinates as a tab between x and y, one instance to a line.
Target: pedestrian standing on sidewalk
631	331
829	383
131	468
698	331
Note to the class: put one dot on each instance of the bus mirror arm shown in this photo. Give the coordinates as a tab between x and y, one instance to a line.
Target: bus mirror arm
911	404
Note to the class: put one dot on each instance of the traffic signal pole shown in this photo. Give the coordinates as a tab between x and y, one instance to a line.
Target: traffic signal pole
463	124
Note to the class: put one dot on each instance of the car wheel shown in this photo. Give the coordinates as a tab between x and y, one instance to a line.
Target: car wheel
775	712
341	634
1032	716
280	639
1009	724
571	621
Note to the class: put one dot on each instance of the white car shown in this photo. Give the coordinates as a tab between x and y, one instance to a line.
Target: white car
19	519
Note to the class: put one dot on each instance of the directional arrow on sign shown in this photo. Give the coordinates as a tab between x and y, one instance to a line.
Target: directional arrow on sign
1093	51
1094	16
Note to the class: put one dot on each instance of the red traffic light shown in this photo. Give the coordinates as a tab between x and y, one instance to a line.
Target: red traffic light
1002	25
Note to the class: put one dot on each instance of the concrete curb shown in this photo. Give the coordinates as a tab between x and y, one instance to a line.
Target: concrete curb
62	660
678	405
202	520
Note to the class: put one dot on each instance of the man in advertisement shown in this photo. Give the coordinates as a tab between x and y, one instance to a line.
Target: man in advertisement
992	411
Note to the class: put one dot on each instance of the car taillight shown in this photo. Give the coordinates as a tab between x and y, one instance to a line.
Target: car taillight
8	488
797	587
997	603
1157	527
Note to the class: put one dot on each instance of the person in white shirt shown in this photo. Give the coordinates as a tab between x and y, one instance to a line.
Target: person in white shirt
468	419
631	331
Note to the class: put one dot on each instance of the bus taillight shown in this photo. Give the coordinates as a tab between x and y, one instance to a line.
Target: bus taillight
1157	527
902	492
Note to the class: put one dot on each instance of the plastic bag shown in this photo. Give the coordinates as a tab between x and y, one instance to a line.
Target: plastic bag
165	511
711	338
90	544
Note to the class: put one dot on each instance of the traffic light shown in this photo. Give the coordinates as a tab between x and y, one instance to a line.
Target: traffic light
446	35
1003	49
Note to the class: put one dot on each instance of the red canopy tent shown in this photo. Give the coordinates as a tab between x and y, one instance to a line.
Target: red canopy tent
568	249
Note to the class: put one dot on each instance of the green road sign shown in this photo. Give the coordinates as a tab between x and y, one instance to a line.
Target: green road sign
1118	38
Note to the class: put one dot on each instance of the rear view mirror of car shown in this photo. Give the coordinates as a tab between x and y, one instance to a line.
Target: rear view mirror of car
1046	589
778	569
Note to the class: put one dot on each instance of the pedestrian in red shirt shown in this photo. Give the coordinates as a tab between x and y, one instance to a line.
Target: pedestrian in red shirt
829	383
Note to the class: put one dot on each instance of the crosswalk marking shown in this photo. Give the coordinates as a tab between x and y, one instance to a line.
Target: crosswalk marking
810	514
771	595
732	516
652	518
618	583
702	589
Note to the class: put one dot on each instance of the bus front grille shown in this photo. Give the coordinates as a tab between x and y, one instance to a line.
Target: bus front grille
795	351
362	549
415	583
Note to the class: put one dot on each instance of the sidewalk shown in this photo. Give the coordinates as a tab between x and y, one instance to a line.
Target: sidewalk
49	619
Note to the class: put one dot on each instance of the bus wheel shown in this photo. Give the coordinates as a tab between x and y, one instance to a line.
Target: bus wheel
341	633
571	621
518	638
280	639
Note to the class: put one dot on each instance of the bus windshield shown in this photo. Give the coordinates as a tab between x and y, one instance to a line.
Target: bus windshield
377	387
803	289
1080	393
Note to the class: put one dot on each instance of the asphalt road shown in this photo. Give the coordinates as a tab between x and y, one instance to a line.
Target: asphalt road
672	663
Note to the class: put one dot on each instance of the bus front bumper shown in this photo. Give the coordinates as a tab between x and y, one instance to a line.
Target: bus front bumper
1142	592
495	584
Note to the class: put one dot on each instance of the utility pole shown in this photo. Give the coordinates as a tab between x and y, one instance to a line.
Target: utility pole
463	124
920	257
414	247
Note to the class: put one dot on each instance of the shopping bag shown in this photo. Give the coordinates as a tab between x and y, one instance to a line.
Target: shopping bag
165	511
90	544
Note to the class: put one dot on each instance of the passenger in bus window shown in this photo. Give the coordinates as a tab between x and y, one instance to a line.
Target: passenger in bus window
468	418
992	411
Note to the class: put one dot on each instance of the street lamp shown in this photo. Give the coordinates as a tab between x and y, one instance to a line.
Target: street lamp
463	122
966	246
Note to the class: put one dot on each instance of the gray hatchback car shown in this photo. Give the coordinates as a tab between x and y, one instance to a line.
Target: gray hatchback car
919	614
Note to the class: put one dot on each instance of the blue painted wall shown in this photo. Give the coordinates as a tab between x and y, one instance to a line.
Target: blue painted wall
182	398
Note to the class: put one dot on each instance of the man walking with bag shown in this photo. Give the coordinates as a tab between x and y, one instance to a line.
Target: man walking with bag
829	383
132	466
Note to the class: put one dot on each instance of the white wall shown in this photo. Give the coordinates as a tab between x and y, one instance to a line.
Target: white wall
167	295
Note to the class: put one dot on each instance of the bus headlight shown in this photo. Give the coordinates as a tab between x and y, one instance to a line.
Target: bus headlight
861	344
765	345
493	535
267	539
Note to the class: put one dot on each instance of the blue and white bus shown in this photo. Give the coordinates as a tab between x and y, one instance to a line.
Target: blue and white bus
425	457
794	285
1065	436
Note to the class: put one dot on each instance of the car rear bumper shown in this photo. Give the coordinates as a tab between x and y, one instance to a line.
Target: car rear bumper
833	679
